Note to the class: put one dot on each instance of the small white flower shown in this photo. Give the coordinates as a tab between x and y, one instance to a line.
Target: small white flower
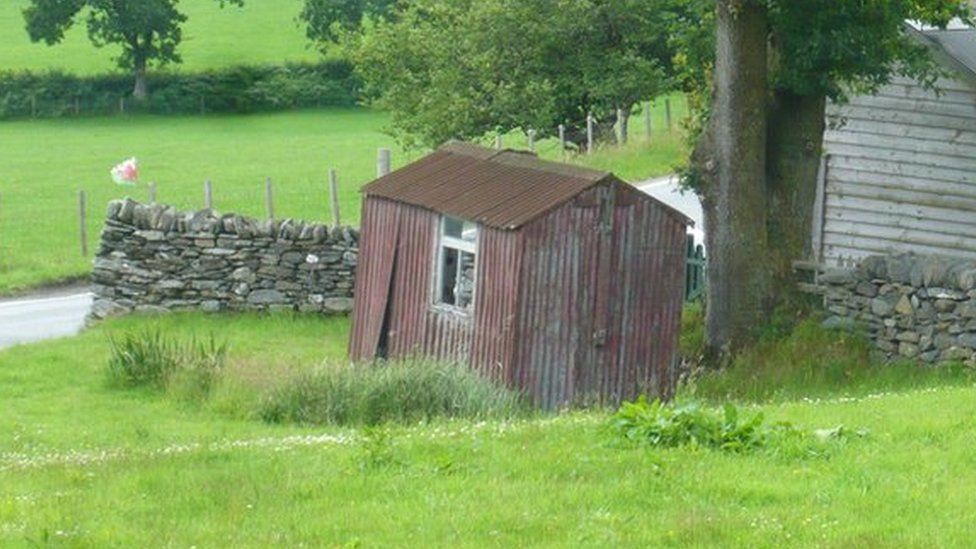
311	259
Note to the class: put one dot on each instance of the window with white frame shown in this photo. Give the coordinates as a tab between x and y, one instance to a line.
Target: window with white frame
456	250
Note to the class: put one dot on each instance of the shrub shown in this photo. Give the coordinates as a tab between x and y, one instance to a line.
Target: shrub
148	359
654	424
240	89
408	391
668	426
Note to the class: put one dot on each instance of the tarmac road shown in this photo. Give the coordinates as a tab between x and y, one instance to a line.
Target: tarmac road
50	315
666	190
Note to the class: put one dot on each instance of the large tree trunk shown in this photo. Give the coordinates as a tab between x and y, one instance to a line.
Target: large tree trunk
795	143
141	89
731	160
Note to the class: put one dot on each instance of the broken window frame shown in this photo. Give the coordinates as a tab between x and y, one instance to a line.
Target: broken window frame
461	246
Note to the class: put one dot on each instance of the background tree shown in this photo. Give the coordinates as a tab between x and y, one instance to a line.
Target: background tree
148	30
326	20
775	63
463	68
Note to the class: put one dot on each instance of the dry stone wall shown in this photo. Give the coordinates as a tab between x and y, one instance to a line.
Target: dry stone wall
914	307
154	258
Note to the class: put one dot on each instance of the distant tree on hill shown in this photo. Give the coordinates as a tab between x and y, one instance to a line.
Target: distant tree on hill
148	30
463	68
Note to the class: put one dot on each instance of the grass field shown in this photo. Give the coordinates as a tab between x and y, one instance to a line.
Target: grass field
264	31
44	163
84	465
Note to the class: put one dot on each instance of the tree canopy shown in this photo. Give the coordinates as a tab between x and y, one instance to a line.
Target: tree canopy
327	20
464	68
149	31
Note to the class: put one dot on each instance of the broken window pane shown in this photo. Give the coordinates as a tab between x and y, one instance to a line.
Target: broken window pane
449	269
456	262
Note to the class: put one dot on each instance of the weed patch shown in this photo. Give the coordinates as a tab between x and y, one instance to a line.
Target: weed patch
810	362
408	391
148	359
661	425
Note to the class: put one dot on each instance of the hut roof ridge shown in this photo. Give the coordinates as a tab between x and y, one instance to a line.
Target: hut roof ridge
500	188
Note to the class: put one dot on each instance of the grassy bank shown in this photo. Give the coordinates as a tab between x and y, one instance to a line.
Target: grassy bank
44	163
85	465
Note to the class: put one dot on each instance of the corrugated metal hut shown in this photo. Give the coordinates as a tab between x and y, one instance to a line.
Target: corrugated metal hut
563	282
900	167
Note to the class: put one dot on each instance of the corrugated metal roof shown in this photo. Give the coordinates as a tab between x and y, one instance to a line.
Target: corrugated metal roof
503	189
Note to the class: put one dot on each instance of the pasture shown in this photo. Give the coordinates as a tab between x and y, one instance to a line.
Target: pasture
212	38
44	163
85	465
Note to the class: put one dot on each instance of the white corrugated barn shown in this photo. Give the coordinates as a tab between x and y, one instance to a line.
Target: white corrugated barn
900	170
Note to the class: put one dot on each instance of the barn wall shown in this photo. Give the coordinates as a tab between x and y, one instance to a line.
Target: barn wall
579	281
901	173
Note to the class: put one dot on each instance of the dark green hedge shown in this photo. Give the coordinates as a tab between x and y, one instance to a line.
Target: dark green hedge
233	90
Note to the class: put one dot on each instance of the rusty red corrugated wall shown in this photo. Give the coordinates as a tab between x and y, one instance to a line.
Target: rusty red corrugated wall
581	304
600	304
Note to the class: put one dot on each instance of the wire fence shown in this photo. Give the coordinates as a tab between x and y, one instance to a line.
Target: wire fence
36	228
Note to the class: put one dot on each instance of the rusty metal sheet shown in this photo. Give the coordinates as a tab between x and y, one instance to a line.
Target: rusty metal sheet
380	223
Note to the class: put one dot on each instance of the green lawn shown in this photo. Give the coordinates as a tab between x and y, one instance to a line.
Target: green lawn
84	465
264	31
44	163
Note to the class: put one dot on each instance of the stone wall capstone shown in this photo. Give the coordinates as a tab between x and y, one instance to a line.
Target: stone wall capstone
153	258
911	306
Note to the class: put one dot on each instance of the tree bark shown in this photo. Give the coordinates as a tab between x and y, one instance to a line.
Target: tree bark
141	89
795	142
731	160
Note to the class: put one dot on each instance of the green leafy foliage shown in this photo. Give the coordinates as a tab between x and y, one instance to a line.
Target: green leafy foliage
150	359
668	426
326	20
241	89
690	424
408	391
464	68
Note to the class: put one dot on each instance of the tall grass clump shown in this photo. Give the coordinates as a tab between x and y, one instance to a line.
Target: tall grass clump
405	391
810	361
149	359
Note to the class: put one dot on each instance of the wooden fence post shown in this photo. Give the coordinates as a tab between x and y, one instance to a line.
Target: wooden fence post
562	139
621	129
82	222
152	192
122	105
382	162
498	142
334	196
531	137
589	133
269	198
33	106
208	195
667	112
647	120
